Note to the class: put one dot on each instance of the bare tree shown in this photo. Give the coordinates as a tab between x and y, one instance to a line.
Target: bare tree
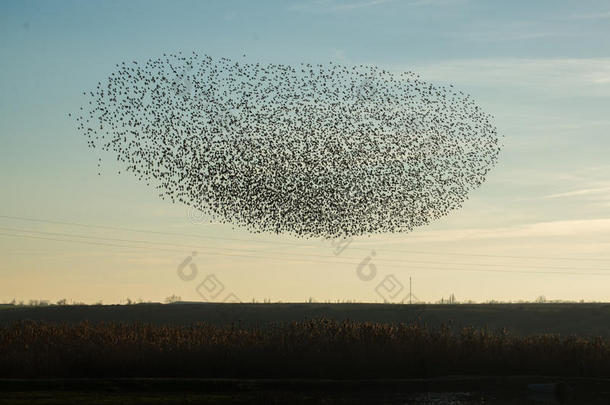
172	299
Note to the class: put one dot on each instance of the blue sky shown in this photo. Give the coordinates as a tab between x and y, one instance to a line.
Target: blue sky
541	68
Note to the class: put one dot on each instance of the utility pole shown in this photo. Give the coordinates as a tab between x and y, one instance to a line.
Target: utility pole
411	296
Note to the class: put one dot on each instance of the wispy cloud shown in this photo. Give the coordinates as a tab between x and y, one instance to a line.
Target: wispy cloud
504	34
486	31
326	6
436	2
351	6
581	192
329	6
600	15
566	228
572	75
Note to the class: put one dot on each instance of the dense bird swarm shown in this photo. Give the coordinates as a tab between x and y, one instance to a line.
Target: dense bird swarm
311	150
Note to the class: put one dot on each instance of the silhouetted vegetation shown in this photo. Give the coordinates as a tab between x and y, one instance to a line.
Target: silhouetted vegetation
522	319
315	348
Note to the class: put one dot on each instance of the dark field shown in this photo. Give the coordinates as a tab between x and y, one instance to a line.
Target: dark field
431	391
311	353
520	319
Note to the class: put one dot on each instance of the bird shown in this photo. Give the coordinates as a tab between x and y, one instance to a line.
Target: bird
311	150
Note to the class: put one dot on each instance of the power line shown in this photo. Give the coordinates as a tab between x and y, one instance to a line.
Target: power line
294	244
313	261
255	251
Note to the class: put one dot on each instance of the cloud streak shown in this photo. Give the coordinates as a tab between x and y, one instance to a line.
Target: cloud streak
329	6
326	6
351	6
568	228
576	75
581	192
600	15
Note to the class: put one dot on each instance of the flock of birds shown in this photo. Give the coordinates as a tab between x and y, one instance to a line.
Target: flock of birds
310	150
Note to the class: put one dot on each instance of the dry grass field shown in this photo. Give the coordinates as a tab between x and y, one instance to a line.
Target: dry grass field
241	353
